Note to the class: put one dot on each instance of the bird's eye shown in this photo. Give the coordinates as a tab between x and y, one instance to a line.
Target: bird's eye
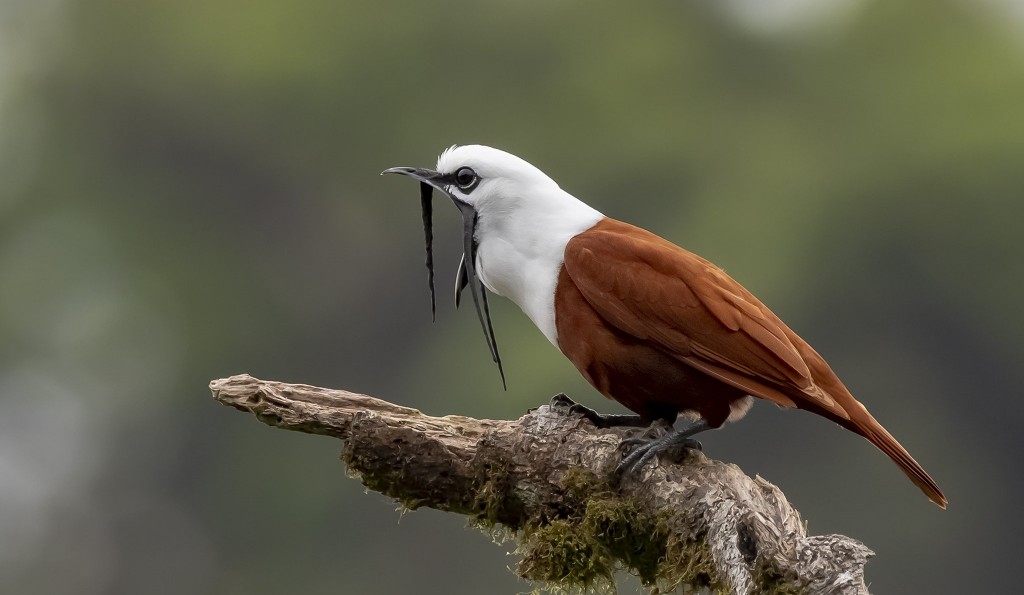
466	178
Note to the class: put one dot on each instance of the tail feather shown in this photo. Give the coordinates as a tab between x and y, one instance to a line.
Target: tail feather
877	435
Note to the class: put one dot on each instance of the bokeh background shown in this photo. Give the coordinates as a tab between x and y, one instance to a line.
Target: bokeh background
190	190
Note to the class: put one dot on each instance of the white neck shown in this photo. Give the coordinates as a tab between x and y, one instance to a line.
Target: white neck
522	247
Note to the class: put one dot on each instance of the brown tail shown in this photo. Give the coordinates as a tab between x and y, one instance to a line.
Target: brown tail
877	435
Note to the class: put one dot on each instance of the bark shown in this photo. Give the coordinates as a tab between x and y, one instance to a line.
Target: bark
695	523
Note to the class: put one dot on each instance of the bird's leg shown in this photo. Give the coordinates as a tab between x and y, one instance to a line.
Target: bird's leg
648	448
657	429
601	420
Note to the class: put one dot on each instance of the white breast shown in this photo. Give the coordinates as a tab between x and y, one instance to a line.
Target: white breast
521	250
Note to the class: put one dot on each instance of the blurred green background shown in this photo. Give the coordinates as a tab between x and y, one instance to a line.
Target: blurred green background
190	190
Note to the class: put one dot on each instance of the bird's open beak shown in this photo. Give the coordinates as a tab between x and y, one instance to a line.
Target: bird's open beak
425	176
430	180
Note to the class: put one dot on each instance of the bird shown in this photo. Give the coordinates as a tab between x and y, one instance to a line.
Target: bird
649	324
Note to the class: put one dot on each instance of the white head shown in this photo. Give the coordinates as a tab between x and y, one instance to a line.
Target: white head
517	222
512	200
492	180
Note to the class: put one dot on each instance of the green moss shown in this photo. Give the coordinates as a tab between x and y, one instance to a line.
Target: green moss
384	481
558	552
688	562
580	484
498	500
579	545
628	535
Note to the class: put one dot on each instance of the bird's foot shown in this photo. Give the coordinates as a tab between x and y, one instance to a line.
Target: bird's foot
655	441
658	429
602	420
561	401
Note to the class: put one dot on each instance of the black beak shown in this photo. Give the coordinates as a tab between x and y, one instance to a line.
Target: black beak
425	176
429	180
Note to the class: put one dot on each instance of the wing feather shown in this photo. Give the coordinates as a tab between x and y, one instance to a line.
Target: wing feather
654	290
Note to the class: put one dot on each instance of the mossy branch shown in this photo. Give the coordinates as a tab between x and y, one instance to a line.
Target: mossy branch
695	524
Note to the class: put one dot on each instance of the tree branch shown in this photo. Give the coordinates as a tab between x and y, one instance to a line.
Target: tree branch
544	478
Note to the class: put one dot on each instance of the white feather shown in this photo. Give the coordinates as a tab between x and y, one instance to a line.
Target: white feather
524	222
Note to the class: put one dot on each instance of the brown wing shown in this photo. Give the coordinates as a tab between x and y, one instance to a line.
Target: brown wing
657	291
654	290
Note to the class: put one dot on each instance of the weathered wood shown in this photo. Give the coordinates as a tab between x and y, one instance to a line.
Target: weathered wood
698	523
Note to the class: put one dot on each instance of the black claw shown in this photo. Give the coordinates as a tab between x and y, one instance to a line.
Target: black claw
677	442
677	453
608	420
628	445
561	401
564	403
587	413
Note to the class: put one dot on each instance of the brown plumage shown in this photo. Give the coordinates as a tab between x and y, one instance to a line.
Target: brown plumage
664	331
